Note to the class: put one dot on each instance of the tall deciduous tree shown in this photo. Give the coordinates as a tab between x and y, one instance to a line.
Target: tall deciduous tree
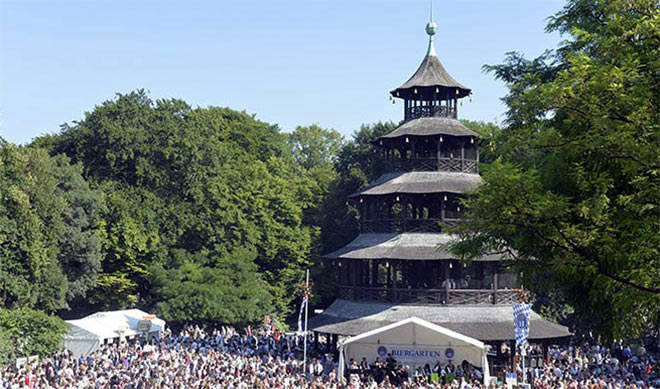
198	183
228	289
26	332
50	251
315	150
357	163
574	194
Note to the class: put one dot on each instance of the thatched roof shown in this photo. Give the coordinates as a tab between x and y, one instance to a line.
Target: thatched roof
421	183
431	73
429	126
405	246
483	322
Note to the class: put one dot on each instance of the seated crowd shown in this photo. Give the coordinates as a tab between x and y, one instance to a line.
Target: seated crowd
390	370
221	358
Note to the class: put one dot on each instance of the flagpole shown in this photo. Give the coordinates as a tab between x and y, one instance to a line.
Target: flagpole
305	334
522	353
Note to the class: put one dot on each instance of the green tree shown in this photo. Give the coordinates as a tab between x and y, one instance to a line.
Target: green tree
49	249
314	146
227	289
198	180
488	135
358	162
573	196
26	332
315	151
80	238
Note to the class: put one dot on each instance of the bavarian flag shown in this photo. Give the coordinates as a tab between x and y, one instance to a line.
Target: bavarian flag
521	314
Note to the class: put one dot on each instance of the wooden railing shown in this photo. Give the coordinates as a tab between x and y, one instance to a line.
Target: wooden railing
401	225
429	111
428	296
434	164
458	165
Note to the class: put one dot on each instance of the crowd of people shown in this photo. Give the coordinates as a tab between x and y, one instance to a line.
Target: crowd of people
222	358
594	366
395	372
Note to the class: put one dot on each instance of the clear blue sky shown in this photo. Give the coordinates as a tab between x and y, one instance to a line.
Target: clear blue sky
329	62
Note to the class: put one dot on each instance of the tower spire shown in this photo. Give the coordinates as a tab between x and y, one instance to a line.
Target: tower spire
431	12
431	29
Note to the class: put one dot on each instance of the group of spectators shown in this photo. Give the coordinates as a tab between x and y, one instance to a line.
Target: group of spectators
222	358
594	366
390	370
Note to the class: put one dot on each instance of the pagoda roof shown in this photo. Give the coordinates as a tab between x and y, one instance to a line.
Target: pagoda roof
422	183
431	74
403	246
430	126
483	322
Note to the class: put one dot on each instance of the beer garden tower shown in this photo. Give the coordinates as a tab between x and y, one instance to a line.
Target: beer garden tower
396	267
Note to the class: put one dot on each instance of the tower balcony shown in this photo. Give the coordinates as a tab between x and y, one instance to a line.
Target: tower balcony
435	164
398	225
444	296
421	111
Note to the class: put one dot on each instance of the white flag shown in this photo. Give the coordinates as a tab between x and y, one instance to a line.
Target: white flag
301	330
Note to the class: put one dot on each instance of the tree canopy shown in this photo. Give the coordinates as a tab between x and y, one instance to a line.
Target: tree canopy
50	248
573	193
196	199
26	332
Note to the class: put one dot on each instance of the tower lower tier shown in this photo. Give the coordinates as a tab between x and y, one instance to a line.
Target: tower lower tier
484	322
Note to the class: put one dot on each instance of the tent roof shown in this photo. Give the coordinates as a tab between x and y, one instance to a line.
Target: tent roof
412	321
105	324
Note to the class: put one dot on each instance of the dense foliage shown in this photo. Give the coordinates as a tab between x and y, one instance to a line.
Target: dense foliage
197	200
26	332
50	248
574	192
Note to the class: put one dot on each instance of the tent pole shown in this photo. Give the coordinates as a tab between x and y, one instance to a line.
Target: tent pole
523	352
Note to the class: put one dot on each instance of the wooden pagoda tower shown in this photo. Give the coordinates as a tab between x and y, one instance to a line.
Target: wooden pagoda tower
395	268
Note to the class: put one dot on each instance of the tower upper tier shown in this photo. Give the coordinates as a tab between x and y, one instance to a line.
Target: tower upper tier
431	81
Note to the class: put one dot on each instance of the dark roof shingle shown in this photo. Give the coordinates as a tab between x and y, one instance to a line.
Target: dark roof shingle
429	126
405	246
431	73
422	182
483	322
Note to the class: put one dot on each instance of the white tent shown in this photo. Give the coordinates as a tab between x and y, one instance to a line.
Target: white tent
87	334
414	342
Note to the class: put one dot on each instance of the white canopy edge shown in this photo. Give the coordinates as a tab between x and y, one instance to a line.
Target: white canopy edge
421	322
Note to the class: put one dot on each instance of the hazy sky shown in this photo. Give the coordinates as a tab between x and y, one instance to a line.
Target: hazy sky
329	62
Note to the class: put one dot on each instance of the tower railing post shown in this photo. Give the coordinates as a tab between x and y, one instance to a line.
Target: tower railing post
495	288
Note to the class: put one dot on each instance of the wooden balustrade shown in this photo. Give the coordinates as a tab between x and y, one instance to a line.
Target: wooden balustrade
401	225
435	164
421	111
428	296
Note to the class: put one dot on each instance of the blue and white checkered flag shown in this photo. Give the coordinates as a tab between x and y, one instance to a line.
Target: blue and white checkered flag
521	314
